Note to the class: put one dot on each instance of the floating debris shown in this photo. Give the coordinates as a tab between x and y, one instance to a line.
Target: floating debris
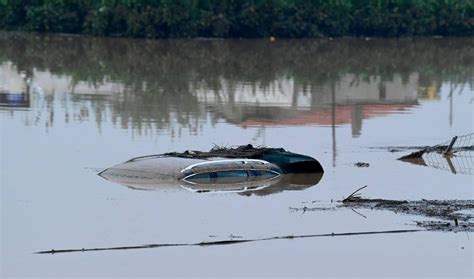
457	213
287	161
446	210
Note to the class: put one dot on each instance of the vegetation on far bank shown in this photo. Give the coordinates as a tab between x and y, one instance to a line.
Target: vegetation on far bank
240	18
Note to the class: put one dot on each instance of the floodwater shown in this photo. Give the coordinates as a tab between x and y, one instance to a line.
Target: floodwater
71	106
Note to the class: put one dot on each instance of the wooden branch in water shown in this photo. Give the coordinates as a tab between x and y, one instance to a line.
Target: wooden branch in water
221	242
360	214
450	146
353	195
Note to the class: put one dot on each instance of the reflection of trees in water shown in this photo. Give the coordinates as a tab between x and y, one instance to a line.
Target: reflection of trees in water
160	77
309	61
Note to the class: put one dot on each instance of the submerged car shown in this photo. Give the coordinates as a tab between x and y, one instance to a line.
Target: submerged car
240	169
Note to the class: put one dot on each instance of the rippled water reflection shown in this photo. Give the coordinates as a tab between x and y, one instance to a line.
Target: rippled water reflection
168	85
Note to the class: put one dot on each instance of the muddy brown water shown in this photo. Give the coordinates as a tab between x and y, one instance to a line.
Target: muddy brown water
71	106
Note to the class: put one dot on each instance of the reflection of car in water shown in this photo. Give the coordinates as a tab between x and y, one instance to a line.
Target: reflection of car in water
14	100
219	171
288	182
14	90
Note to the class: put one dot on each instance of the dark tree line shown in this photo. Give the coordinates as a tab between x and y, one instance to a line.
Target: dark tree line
240	18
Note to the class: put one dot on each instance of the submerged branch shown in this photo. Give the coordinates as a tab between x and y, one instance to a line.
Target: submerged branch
221	242
354	195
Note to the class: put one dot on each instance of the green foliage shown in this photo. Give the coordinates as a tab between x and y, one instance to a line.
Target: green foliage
3	13
240	18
